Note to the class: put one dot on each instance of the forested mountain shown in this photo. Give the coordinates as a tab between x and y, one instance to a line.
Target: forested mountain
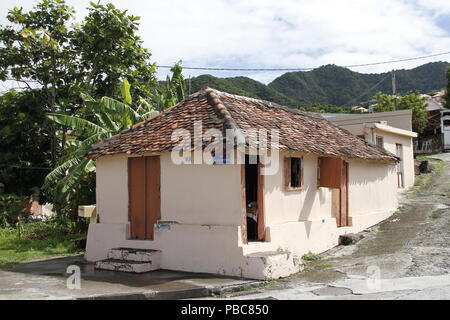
329	84
242	86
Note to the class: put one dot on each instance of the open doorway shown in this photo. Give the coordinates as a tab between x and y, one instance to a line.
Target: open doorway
251	196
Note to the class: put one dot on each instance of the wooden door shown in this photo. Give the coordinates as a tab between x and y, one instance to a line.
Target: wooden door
399	153
144	207
339	196
343	211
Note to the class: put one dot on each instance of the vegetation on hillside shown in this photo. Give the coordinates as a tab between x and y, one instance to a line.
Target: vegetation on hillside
412	101
342	87
328	85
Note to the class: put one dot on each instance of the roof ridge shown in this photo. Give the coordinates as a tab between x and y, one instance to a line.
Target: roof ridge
271	104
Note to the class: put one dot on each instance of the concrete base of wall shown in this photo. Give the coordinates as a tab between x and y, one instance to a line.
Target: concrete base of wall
215	249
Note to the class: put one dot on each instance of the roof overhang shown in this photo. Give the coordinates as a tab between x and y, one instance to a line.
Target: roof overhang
393	130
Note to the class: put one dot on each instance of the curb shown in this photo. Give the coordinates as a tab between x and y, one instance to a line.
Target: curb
199	292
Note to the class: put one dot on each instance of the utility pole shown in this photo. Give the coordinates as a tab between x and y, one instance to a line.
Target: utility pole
394	89
189	84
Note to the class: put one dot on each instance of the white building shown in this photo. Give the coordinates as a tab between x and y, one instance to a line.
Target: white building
202	218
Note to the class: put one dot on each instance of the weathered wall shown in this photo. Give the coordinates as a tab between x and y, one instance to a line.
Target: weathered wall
301	221
390	140
203	205
401	119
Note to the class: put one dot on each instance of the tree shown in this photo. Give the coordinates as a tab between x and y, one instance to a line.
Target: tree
412	101
110	50
384	102
100	119
417	104
447	89
24	141
44	50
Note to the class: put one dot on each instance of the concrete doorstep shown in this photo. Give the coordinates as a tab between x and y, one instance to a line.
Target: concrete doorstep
72	278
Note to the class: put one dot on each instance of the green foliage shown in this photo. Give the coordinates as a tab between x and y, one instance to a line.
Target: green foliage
242	86
43	48
24	140
34	240
324	108
385	102
447	89
72	182
327	86
417	105
311	257
342	87
110	50
412	101
11	210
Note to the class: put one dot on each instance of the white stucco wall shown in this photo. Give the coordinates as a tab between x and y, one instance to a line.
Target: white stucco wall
204	205
390	140
290	206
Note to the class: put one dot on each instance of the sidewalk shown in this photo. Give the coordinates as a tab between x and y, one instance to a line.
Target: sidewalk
47	279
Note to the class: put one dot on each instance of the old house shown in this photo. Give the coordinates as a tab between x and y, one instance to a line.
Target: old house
227	217
389	130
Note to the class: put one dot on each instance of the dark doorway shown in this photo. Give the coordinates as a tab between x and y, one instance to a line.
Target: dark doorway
251	196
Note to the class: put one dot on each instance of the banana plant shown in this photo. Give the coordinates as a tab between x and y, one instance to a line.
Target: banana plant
99	119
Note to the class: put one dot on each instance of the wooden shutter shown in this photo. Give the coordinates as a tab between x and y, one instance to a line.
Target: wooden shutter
330	170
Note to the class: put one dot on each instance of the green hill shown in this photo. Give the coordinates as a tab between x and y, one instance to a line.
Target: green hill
242	86
330	85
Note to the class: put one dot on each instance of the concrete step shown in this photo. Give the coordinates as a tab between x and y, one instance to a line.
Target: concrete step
131	254
126	266
268	265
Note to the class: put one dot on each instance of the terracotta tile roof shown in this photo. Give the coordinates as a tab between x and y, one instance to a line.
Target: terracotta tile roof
299	131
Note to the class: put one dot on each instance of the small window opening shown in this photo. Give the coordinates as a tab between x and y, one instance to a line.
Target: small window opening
293	173
380	142
296	172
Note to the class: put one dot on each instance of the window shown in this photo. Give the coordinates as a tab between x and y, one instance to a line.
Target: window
380	141
293	173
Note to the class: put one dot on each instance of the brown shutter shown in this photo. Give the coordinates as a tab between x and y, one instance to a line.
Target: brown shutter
137	203
330	172
287	173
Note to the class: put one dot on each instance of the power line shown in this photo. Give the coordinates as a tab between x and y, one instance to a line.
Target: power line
309	68
367	91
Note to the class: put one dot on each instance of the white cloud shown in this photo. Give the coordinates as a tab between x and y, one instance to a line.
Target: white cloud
289	33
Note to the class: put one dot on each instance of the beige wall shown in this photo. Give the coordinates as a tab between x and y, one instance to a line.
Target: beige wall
401	119
390	141
291	206
203	205
372	188
200	193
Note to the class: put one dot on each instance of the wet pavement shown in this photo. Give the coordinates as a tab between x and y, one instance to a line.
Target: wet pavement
406	256
48	279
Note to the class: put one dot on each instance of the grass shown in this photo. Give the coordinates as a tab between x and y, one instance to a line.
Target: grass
17	247
423	179
311	257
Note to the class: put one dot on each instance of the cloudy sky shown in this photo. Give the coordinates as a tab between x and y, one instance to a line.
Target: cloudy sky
285	33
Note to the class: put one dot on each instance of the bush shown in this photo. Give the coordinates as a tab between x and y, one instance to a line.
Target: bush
12	210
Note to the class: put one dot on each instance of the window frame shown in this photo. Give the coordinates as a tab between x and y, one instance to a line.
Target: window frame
288	173
378	137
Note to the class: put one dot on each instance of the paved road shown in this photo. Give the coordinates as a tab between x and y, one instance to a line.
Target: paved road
405	257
